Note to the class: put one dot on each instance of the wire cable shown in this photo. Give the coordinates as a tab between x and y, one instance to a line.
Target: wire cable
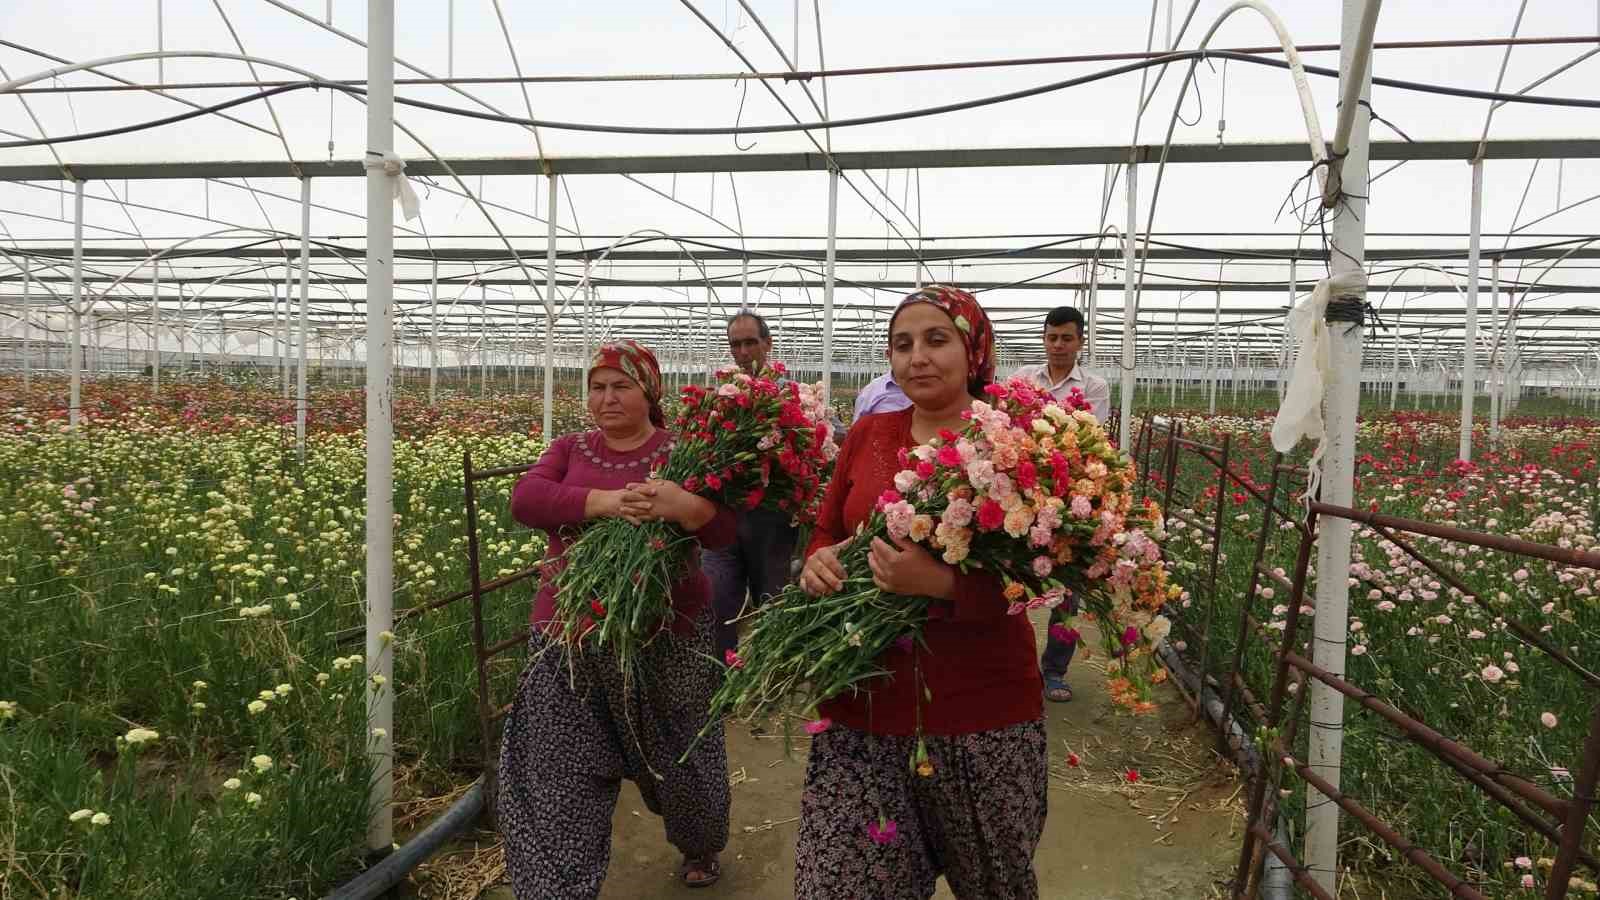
878	119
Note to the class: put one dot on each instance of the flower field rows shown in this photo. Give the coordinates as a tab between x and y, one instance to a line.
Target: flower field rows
1420	644
172	587
178	717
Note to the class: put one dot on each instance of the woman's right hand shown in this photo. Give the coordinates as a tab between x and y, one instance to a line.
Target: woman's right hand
615	504
823	573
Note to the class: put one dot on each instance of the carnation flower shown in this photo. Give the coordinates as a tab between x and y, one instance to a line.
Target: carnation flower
883	831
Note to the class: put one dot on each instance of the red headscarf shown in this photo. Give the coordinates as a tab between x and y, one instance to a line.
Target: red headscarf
971	322
634	360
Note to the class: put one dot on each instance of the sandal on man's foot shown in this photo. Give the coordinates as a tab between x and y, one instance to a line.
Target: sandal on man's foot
706	867
1056	690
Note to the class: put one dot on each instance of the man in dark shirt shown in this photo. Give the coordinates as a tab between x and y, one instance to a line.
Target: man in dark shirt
757	565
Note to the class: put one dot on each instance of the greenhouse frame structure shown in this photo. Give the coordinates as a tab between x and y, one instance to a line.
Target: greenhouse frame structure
109	285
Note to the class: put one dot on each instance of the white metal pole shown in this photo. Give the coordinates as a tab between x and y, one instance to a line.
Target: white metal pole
827	284
433	314
161	43
588	350
1130	243
277	353
1340	401
1283	353
305	302
75	355
283	345
1215	354
27	332
155	330
483	340
1469	352
550	309
1496	366
1394	379
380	422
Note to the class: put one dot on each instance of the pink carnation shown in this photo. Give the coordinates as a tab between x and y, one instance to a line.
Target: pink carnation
1042	566
819	726
1081	508
959	513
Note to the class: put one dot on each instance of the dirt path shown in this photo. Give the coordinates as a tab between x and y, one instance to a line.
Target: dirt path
1101	840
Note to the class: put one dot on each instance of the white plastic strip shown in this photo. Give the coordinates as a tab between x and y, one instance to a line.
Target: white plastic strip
1300	415
403	191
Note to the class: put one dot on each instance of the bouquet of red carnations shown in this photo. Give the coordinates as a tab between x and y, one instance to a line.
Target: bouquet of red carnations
1027	490
748	442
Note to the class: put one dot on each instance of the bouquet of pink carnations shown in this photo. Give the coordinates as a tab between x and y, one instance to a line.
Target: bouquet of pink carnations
748	442
1027	490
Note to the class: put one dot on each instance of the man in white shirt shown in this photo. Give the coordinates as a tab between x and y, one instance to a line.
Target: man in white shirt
1059	374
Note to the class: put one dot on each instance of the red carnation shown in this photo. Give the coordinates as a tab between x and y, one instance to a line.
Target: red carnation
948	436
713	482
1027	475
754	499
990	515
598	608
889	497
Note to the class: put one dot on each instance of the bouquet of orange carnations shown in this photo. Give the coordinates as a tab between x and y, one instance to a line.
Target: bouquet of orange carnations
747	442
1027	490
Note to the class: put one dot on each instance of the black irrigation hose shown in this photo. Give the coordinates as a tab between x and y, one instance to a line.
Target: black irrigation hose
393	869
881	118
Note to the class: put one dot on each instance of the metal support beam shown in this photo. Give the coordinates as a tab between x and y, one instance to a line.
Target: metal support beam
1469	344
1130	300
827	286
1341	399
75	356
1285	151
550	311
301	335
380	423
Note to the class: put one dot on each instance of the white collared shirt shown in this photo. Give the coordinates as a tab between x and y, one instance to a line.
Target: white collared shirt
1094	388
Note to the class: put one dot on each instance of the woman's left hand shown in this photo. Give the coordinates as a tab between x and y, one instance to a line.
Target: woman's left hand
666	501
912	571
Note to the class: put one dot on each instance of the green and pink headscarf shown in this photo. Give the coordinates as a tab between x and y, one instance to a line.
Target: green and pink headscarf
971	322
634	360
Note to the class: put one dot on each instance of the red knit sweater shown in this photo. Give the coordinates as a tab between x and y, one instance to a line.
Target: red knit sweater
981	666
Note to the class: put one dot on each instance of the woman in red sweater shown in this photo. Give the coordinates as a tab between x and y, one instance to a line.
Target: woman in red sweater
974	813
578	726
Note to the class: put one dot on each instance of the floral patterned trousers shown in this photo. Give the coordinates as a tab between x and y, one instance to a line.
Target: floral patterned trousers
577	727
976	819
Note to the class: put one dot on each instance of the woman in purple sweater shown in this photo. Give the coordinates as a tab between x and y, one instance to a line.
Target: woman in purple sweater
577	726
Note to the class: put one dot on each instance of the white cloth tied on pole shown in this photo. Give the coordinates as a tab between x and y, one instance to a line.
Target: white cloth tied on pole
1300	415
394	166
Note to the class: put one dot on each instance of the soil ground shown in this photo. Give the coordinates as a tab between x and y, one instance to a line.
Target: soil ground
1174	834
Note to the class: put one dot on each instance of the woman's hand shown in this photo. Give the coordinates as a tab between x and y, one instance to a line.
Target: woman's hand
620	504
912	571
823	573
666	501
